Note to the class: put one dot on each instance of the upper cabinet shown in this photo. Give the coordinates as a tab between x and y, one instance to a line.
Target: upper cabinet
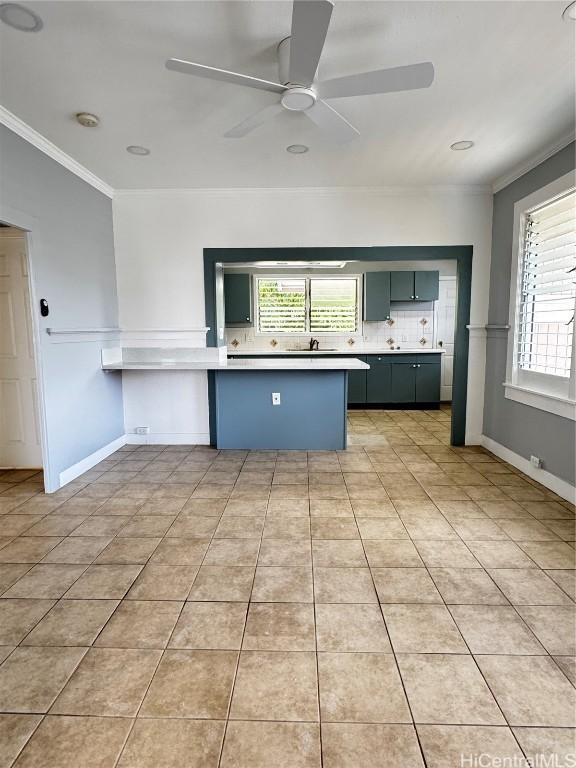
376	296
401	286
414	286
426	286
238	299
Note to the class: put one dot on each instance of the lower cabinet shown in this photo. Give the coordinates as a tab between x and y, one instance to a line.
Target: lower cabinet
410	379
378	380
392	379
357	387
403	382
415	382
428	377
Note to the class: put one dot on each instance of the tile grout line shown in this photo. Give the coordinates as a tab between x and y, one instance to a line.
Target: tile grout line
248	604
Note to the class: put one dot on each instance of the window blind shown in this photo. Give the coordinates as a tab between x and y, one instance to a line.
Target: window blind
333	305
282	306
548	288
307	305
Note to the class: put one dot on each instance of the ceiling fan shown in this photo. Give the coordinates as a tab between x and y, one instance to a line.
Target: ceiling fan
298	57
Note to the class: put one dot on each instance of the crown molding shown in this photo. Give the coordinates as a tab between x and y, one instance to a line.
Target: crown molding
528	165
27	133
231	192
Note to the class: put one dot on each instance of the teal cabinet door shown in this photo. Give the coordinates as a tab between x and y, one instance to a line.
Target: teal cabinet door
357	387
238	299
428	383
401	286
376	296
403	382
378	381
426	285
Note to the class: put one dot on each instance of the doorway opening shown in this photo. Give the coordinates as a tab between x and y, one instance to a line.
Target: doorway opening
21	448
217	259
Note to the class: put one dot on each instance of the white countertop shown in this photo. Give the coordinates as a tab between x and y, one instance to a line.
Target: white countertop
247	364
357	350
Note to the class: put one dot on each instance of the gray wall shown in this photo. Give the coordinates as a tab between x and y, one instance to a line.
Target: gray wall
72	261
524	430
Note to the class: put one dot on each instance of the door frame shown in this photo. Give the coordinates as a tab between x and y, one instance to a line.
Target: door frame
214	258
29	225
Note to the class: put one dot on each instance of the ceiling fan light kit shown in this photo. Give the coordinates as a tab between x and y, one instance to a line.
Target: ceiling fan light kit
298	57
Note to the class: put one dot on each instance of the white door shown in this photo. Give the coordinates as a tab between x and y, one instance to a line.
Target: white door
19	426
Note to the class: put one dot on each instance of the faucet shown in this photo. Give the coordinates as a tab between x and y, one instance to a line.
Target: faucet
314	345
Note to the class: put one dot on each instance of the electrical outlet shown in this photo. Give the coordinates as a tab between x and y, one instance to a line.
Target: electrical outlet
536	462
275	398
142	430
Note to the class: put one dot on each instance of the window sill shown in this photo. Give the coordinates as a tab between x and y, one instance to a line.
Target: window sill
560	406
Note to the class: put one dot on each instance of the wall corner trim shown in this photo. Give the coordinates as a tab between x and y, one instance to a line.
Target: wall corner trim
27	133
528	165
542	476
90	461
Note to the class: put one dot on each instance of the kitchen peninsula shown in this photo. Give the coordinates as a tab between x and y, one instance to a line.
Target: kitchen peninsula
260	403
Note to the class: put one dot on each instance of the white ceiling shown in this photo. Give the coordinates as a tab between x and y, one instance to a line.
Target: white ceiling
504	78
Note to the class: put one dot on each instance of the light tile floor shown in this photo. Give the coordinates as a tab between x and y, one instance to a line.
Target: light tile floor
401	603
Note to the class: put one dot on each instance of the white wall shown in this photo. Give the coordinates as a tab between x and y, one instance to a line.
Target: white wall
159	240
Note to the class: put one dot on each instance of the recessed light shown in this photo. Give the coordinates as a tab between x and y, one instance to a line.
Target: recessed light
20	18
87	119
569	13
460	146
297	149
135	149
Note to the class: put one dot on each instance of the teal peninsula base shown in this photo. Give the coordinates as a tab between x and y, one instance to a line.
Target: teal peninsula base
311	414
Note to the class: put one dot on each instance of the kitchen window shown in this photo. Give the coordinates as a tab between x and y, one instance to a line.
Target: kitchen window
541	353
298	305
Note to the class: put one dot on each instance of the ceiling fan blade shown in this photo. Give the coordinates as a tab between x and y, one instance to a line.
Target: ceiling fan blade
310	20
255	120
212	73
332	122
406	78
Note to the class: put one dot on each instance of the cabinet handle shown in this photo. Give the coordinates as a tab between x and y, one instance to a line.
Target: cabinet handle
418	366
248	319
415	297
411	297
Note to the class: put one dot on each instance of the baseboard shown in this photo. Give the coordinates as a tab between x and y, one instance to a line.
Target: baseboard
90	461
556	484
169	438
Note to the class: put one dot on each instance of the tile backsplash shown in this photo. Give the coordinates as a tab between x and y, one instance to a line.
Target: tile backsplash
407	327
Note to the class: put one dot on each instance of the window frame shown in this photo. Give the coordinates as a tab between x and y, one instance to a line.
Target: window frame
544	391
307	279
